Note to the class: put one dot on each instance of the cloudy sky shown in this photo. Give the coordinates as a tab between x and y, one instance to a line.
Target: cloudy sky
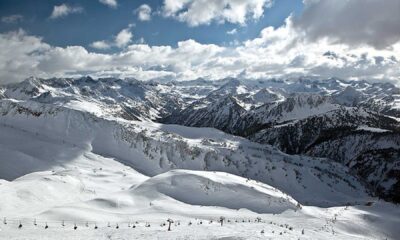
187	39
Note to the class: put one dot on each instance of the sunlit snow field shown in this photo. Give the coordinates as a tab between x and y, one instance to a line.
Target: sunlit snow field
84	189
80	169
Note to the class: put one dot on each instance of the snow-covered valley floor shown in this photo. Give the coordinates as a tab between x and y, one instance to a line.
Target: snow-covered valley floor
334	223
51	181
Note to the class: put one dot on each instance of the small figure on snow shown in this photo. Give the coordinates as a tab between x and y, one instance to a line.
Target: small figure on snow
170	221
221	220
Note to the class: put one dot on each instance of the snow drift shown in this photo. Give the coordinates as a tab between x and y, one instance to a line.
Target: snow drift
215	189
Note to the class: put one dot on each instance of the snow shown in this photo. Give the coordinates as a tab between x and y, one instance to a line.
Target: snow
69	160
216	189
62	173
85	106
361	222
396	102
371	129
298	107
241	90
152	149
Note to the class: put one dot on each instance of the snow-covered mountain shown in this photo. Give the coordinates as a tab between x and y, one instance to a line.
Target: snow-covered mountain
344	135
152	148
100	150
298	116
128	99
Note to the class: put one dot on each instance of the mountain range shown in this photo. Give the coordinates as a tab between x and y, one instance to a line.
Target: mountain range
263	145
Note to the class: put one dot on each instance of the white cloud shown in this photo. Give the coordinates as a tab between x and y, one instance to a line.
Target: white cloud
143	12
288	52
123	38
64	10
276	52
110	3
12	18
20	56
100	45
198	12
141	41
355	22
232	32
316	43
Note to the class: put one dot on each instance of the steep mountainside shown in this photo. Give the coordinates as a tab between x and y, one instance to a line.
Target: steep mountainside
309	117
86	158
224	112
129	99
344	135
152	149
298	116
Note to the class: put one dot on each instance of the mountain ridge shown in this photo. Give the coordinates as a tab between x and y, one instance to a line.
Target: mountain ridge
298	116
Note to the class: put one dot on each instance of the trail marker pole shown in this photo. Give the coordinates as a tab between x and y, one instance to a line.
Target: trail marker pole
170	221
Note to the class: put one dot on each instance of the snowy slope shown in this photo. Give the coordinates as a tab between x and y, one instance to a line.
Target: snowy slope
363	222
152	148
216	189
193	194
128	99
100	190
346	135
305	116
71	150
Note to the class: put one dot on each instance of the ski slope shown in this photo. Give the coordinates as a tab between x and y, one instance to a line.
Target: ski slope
64	165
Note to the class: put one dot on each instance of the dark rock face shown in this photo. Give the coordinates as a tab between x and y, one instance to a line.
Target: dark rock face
382	168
